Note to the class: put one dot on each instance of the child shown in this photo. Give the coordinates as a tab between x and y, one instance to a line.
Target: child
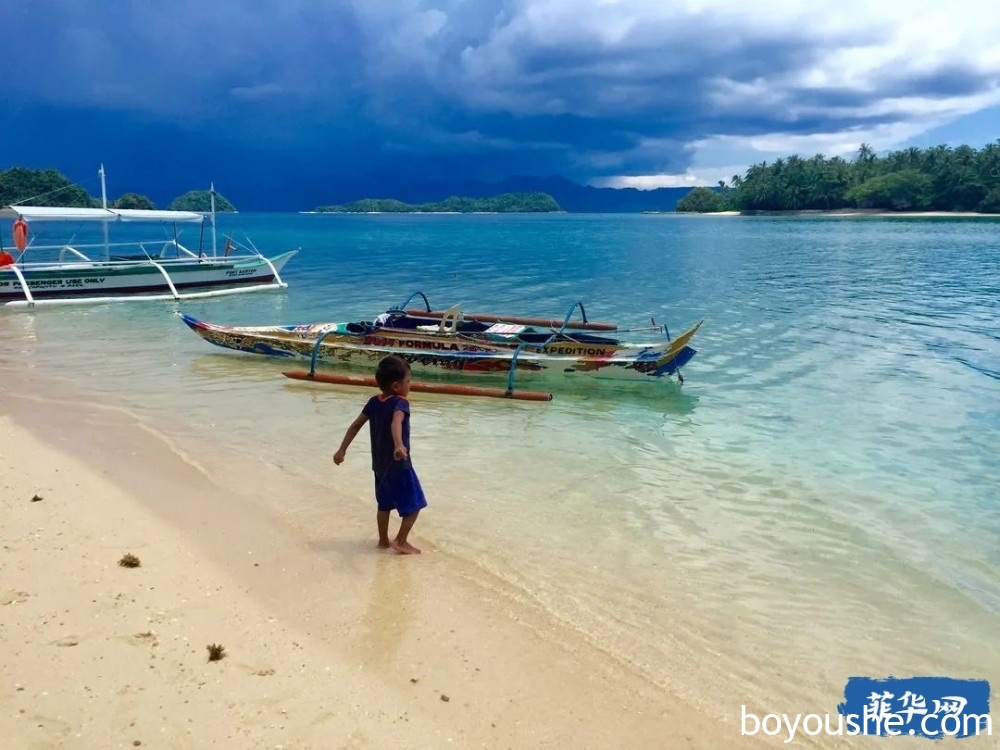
396	484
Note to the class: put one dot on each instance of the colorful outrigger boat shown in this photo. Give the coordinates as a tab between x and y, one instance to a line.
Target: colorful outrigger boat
466	344
102	271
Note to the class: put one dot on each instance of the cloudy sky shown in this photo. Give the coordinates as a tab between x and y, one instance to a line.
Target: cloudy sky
292	102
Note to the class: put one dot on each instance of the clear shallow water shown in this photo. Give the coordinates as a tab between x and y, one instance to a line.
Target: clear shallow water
818	500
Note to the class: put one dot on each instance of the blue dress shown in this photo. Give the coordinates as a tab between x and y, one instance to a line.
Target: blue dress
396	484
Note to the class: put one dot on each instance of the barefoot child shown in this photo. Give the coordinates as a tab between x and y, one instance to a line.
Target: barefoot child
396	484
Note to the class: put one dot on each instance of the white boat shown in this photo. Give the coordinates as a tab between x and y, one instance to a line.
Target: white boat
161	269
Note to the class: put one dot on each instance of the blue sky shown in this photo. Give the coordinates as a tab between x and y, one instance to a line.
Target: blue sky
292	103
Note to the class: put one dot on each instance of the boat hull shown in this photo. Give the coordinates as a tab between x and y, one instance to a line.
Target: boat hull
351	345
88	281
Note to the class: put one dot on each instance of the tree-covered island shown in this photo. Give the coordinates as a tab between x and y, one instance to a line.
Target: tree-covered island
506	203
941	178
201	201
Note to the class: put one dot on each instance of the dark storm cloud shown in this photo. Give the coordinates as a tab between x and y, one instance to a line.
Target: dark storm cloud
480	88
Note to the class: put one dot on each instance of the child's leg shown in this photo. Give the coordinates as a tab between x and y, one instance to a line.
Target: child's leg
399	543
382	519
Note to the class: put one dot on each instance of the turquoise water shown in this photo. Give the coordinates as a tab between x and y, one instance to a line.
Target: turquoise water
819	499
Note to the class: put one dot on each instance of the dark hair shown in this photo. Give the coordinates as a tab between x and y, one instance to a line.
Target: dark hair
391	369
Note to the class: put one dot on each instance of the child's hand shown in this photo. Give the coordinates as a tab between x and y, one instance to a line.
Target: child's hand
338	457
400	453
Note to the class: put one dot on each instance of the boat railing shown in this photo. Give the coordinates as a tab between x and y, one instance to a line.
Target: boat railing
77	249
46	255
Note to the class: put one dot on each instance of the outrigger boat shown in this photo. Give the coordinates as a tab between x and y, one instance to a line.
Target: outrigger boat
464	344
161	269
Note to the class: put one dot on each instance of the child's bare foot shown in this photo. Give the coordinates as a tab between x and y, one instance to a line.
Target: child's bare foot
404	548
384	544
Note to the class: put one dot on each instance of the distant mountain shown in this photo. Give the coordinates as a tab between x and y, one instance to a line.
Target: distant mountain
569	195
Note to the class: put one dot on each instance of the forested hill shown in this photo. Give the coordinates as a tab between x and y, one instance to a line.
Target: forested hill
48	187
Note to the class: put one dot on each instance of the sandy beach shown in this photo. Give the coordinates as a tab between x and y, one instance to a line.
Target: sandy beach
328	643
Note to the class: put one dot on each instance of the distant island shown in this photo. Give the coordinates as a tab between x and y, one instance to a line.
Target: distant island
502	204
48	187
941	178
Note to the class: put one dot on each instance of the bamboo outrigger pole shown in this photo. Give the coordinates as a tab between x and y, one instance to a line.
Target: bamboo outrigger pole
447	388
539	322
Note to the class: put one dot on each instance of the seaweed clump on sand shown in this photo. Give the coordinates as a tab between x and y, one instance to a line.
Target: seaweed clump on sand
129	561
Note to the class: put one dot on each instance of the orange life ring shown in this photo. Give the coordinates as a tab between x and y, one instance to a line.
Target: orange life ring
20	233
6	259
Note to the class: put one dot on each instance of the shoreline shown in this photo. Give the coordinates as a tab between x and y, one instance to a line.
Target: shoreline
876	213
852	213
753	538
327	638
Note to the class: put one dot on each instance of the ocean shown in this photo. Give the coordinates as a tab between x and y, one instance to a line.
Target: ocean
818	500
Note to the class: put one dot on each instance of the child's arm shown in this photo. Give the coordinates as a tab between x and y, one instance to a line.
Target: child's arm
352	432
397	435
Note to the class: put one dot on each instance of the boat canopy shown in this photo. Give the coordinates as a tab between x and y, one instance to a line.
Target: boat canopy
55	213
